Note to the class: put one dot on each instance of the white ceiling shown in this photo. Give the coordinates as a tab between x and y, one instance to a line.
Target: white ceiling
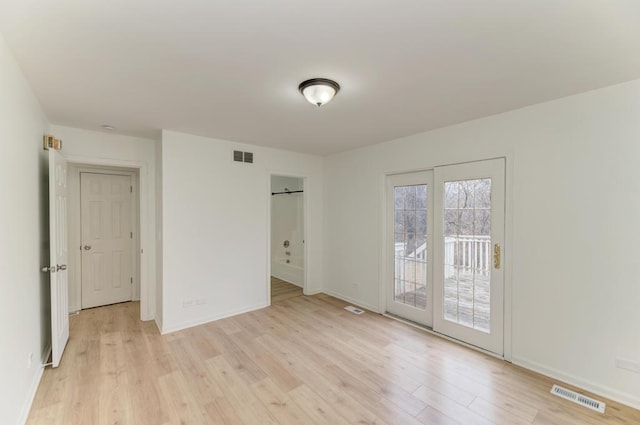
230	69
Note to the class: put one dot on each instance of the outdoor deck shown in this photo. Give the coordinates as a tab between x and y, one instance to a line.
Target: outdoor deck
466	301
467	260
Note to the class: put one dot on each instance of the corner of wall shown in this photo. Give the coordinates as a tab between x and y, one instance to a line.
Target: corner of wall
24	228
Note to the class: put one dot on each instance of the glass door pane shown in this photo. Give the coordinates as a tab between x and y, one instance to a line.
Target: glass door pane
467	246
410	248
408	264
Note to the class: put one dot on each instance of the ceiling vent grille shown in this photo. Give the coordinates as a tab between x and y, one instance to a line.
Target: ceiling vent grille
248	157
577	398
237	156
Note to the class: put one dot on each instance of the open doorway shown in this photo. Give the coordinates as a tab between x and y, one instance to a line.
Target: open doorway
104	234
287	237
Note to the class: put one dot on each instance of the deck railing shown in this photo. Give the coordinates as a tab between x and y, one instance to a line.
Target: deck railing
465	251
468	252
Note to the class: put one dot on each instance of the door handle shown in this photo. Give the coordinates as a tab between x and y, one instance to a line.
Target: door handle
61	267
496	256
48	269
87	247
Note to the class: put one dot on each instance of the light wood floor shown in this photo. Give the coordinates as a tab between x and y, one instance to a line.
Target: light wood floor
304	360
281	290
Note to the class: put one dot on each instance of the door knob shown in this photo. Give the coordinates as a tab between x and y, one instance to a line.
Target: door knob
87	247
48	269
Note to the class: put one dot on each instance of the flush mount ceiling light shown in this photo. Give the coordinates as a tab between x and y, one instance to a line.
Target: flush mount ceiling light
319	91
107	127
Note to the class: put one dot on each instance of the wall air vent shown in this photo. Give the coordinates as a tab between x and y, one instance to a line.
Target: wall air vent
577	398
239	156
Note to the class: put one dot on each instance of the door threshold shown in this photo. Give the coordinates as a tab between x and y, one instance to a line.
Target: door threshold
107	305
438	334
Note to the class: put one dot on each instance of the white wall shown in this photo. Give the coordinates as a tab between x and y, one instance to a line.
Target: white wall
574	199
287	225
158	232
280	183
100	148
25	323
216	226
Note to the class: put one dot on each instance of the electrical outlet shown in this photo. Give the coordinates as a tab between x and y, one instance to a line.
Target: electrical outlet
627	364
188	303
30	361
201	301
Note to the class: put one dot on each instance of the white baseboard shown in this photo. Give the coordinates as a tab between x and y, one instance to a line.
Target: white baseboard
158	323
313	292
353	301
202	321
287	278
33	389
610	393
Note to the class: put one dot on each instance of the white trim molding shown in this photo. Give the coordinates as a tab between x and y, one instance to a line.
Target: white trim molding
350	300
33	389
147	230
191	323
632	400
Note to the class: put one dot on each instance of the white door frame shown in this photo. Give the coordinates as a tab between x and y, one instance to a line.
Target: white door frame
423	317
494	169
146	232
305	226
75	210
508	240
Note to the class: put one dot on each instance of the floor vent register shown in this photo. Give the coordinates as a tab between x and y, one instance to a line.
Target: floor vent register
354	310
578	398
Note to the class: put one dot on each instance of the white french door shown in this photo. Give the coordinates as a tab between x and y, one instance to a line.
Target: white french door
59	255
446	229
409	224
468	274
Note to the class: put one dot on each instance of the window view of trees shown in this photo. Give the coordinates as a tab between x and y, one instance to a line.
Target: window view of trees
467	249
468	208
410	229
467	252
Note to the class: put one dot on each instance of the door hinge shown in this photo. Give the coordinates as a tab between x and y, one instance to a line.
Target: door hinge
132	281
131	189
131	235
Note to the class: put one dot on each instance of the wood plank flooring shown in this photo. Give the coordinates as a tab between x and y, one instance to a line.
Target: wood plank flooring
304	360
281	290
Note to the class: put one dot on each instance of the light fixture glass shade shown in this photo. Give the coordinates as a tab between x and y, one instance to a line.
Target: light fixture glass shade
319	91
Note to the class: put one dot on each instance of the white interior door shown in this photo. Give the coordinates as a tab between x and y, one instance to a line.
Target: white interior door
468	274
59	255
409	224
107	239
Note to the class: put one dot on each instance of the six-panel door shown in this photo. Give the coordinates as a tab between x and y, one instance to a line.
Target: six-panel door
106	239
